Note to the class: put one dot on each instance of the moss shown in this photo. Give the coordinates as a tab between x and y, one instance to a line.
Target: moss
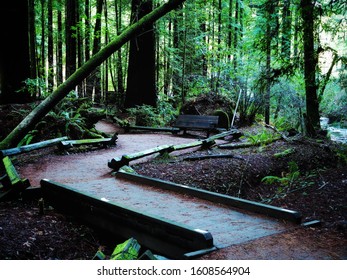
224	120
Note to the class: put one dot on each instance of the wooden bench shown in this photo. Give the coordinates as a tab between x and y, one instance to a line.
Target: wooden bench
196	122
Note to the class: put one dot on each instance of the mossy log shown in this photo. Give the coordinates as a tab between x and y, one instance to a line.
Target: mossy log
31	147
103	141
118	162
12	183
233	132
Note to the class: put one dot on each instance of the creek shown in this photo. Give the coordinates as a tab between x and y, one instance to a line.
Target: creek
336	132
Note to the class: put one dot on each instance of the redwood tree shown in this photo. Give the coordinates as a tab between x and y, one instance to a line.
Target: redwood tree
141	86
14	52
310	64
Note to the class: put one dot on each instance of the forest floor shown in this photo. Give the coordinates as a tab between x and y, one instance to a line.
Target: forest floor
317	190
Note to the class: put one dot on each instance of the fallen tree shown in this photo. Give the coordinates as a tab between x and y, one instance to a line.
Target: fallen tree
83	72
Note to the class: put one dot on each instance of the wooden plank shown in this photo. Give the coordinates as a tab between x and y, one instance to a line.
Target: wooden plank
196	121
158	234
158	149
94	141
12	183
12	175
203	143
117	162
221	135
31	147
149	128
265	209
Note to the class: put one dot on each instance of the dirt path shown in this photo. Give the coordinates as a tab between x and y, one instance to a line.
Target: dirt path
89	166
301	243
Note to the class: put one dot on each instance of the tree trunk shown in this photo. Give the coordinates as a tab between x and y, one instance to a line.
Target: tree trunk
96	78
70	38
44	107
310	64
42	65
141	85
230	30
286	30
14	53
50	50
60	44
119	64
32	40
269	10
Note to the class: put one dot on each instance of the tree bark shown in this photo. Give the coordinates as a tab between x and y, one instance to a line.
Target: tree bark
14	52
45	106
50	49
310	64
59	43
70	39
141	83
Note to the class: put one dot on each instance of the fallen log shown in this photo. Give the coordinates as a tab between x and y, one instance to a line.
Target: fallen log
118	162
31	147
235	132
12	183
104	141
204	143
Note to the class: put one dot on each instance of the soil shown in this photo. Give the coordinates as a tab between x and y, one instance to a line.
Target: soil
317	189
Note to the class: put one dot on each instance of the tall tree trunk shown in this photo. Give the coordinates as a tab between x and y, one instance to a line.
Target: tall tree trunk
120	76
70	38
96	77
167	61
80	46
310	64
141	86
268	74
88	89
286	30
60	43
106	68
50	50
14	52
44	107
230	30
42	66
236	34
176	74
32	40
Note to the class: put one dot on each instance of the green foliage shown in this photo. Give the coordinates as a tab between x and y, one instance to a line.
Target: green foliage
287	179
261	138
35	86
341	153
334	101
146	115
28	138
284	153
291	181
